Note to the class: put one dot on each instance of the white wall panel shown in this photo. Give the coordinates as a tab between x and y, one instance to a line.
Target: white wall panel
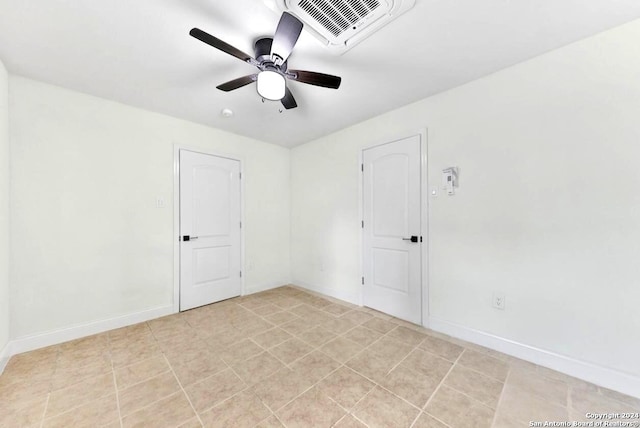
92	243
547	212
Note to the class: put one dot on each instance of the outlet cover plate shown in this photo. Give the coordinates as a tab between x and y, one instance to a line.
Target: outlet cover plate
498	301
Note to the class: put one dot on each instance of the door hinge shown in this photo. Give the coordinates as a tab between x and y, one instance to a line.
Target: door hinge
420	238
363	280
240	274
362	167
240	175
240	225
362	224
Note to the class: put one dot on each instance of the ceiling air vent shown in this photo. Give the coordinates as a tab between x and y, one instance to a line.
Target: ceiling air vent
342	24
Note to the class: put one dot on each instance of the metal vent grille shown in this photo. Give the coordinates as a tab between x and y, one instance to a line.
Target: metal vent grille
338	16
342	24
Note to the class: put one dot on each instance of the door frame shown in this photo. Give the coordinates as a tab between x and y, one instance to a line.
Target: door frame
176	215
424	213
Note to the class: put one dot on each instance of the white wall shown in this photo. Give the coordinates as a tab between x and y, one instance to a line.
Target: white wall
4	210
548	209
90	243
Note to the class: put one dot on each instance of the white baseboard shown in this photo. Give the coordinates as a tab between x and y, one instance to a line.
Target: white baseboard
331	292
29	343
599	375
264	287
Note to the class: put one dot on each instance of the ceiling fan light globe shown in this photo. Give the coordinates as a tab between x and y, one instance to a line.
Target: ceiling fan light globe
271	85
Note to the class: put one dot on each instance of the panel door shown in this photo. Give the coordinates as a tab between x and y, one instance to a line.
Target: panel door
392	258
210	254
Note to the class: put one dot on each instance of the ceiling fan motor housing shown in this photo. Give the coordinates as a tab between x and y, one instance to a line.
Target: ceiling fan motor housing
263	48
342	24
263	56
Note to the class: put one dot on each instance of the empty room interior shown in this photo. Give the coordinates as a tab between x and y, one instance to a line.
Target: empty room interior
395	213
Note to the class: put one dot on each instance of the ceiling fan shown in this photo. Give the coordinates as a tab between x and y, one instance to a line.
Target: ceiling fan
271	59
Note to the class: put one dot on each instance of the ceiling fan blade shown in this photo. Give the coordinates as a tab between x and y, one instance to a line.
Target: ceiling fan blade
219	44
288	101
237	83
317	79
287	33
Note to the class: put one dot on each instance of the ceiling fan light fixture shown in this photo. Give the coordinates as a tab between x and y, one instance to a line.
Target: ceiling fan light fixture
271	85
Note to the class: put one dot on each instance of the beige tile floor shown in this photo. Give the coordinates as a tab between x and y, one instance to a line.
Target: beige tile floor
289	358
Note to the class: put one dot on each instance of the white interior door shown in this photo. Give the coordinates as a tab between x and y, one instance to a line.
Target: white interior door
391	209
209	229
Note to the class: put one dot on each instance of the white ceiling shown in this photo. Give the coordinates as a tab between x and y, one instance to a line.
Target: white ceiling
138	52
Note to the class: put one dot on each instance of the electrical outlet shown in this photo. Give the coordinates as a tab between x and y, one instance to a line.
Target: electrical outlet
498	301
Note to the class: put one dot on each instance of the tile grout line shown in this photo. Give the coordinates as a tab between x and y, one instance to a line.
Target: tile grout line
480	373
390	370
343	416
268	351
495	379
75	383
77	406
394	367
347	411
359	420
115	383
464	366
277	418
437	419
442	381
314	349
148	378
55	369
294	336
305	390
470	397
504	386
243	390
570	397
200	380
237	375
381	386
343	336
397	396
115	380
420	413
430	352
454	389
44	412
183	391
360	400
404	358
